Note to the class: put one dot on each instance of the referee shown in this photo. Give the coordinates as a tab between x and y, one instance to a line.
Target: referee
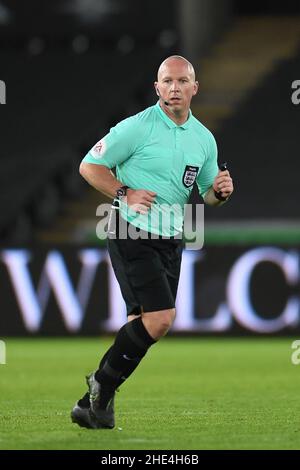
158	154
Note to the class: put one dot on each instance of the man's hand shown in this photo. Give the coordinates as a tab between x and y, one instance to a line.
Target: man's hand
223	184
139	200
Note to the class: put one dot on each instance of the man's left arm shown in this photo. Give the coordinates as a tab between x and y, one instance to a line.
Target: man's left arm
215	186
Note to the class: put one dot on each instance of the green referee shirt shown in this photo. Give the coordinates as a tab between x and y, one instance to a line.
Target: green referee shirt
152	152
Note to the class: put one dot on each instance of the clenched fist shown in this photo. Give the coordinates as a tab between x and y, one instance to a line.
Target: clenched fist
223	184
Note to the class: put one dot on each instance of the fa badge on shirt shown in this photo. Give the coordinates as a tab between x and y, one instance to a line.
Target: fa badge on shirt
189	175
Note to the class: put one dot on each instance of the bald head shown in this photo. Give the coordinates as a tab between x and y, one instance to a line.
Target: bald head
173	60
176	86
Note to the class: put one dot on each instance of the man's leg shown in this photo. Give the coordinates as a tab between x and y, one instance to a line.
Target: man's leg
84	402
131	365
131	344
148	287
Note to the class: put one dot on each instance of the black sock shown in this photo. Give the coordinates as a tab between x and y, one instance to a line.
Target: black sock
132	365
105	357
84	402
130	346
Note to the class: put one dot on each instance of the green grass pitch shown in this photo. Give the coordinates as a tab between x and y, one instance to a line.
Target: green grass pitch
191	393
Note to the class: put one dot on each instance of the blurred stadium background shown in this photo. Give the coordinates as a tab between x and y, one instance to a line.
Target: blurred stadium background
74	68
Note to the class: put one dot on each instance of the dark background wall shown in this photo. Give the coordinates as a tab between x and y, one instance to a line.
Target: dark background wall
266	6
72	72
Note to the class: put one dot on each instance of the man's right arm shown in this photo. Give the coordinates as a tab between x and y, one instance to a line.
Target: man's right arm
102	179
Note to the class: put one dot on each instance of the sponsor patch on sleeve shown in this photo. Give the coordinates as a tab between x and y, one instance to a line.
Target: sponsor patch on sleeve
99	149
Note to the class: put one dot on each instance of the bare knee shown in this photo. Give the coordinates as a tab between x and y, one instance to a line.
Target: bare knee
132	317
158	323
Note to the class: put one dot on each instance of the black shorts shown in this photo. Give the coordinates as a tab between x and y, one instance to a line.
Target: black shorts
147	271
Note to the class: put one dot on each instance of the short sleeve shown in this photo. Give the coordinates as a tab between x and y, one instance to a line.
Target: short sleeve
116	146
210	168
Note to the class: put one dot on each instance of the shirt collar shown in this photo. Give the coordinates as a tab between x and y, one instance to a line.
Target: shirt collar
171	124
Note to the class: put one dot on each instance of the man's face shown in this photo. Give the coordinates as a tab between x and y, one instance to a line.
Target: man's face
176	84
